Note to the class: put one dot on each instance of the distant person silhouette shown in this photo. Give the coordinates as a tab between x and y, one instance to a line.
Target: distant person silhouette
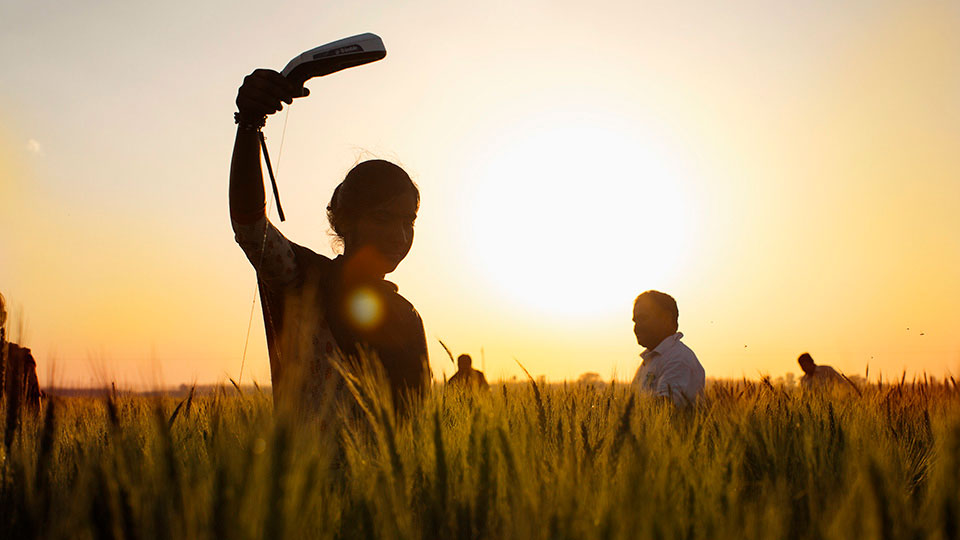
315	308
466	376
18	376
815	376
669	369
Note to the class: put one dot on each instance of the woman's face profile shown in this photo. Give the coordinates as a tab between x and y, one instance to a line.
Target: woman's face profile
386	230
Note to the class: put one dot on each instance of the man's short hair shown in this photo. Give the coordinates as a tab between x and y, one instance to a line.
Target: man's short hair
805	357
664	301
464	359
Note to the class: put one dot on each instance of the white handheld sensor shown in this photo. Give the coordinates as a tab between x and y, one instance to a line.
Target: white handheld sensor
332	57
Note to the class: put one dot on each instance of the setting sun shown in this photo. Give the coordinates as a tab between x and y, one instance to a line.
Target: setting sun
583	213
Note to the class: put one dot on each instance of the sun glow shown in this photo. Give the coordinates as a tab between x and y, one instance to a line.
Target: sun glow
573	219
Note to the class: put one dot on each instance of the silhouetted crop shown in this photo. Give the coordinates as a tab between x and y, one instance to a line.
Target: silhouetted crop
750	460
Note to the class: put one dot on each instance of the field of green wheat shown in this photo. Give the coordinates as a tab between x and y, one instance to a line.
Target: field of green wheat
751	460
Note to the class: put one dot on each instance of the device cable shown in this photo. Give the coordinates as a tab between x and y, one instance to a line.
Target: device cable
263	243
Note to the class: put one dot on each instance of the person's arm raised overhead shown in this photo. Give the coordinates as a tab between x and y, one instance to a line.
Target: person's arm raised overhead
262	93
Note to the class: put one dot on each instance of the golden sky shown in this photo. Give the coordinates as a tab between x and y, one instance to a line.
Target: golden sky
790	174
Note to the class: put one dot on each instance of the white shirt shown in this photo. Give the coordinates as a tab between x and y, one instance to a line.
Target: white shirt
671	370
822	376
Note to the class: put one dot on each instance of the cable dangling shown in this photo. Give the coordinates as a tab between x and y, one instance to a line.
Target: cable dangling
263	242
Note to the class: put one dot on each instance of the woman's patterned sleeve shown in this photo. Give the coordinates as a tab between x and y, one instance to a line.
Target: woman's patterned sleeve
270	253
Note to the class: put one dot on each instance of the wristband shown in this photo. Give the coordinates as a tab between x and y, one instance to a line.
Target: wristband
247	124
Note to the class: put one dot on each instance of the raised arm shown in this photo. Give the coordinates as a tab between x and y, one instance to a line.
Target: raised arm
263	92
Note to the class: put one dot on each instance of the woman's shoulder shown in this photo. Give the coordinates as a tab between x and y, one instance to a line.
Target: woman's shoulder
394	291
308	255
312	263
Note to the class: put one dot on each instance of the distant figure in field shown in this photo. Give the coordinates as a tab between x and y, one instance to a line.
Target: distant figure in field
815	376
18	375
318	310
669	368
466	376
590	379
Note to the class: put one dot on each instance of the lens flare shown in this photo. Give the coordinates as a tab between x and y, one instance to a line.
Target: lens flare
365	309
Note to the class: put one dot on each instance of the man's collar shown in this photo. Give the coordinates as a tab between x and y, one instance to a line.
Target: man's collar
665	345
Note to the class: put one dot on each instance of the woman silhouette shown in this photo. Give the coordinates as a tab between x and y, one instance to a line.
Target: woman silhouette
316	309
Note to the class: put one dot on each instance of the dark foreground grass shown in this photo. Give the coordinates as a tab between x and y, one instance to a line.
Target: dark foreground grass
751	461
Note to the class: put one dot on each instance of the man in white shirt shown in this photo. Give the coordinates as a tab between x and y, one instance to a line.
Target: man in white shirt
669	368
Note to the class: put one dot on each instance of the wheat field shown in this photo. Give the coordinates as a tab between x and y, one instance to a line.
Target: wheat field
751	460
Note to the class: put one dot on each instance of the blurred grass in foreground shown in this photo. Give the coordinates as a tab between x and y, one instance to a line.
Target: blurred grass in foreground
753	460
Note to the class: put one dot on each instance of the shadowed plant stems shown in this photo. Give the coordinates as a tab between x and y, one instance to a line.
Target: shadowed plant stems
752	460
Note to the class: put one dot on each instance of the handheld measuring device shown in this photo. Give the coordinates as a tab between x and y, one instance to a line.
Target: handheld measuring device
335	56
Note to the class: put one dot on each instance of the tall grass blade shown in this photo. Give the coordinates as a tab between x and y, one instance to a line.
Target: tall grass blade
541	413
